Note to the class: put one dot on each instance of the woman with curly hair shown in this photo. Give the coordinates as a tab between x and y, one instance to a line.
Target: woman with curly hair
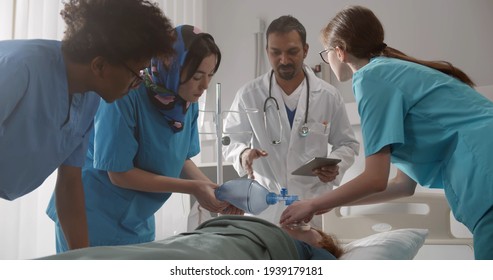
50	91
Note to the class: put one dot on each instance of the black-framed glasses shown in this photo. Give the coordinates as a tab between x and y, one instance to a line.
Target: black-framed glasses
138	78
325	54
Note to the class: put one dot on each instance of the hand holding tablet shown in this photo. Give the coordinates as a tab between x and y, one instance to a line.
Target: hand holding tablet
314	163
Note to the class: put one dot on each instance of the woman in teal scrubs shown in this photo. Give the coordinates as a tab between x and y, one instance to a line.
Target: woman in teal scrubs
142	143
422	116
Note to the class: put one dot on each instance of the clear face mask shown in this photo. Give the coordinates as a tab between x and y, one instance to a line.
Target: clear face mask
302	226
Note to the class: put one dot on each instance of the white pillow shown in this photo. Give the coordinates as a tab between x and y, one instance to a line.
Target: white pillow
400	244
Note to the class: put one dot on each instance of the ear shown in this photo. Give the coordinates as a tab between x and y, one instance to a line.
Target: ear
341	54
305	50
98	66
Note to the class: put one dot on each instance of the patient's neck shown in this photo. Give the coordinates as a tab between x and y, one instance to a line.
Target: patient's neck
311	236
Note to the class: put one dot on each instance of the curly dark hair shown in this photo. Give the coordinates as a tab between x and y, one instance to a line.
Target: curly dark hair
118	30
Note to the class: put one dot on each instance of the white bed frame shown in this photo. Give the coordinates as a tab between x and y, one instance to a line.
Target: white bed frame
349	227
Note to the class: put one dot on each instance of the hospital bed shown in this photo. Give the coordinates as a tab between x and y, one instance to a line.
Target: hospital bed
425	216
364	234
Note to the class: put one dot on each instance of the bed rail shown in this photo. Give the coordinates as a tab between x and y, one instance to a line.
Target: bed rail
436	217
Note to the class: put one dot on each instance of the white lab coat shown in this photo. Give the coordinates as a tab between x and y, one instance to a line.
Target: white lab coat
274	171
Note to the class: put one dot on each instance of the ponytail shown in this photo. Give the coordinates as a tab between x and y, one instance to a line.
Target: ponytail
442	66
358	31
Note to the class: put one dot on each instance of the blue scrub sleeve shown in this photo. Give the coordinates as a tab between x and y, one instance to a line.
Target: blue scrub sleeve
115	145
382	112
194	148
77	158
13	84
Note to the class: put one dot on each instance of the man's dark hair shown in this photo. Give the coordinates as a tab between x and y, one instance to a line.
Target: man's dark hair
286	24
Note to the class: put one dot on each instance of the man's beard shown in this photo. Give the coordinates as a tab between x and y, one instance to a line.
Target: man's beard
284	74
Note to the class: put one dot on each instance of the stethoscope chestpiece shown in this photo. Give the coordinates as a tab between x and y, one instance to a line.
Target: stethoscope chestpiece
304	130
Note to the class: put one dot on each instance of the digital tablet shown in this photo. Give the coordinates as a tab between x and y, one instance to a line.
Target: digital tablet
317	162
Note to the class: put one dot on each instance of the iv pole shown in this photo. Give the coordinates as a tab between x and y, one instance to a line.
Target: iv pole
219	133
220	139
219	136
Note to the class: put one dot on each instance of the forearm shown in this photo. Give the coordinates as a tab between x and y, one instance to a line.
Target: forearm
232	153
141	180
70	206
191	171
400	186
355	190
372	181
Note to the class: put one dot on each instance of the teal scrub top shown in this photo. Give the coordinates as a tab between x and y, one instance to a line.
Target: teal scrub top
438	128
41	128
131	133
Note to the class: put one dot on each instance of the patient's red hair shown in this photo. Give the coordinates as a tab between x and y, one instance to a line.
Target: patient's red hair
330	244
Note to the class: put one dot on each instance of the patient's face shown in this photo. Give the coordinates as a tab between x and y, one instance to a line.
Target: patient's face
311	236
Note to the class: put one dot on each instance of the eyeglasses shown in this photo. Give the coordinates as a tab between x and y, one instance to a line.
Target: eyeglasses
138	78
325	55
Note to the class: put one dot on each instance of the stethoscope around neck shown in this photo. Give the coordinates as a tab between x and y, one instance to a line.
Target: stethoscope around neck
304	130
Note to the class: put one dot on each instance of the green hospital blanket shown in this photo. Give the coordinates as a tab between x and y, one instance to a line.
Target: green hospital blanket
222	238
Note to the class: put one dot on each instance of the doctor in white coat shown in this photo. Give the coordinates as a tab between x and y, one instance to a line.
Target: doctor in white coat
298	116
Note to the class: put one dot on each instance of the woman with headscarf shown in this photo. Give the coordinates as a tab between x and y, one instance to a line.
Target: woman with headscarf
142	145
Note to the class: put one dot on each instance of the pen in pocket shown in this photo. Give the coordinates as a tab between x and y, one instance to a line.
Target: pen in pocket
325	123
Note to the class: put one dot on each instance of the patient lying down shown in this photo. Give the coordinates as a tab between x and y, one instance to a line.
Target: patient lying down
223	238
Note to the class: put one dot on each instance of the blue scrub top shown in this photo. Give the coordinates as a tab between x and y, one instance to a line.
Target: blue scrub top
131	133
439	130
37	135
